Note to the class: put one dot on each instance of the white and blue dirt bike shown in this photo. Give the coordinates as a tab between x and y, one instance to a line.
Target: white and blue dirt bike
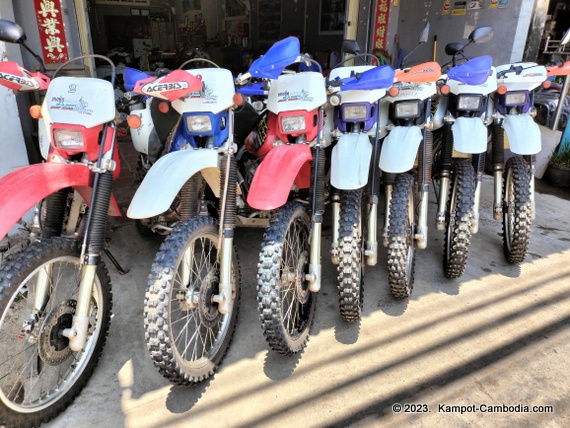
356	92
193	293
460	144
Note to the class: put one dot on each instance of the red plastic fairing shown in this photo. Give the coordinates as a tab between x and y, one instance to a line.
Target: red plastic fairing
275	175
20	190
19	79
563	70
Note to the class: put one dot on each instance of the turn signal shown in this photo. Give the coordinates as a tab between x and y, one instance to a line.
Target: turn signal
501	90
546	84
134	121
36	111
444	89
238	99
163	107
394	91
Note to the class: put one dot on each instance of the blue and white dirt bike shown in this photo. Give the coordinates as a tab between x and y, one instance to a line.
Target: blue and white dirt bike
193	293
356	92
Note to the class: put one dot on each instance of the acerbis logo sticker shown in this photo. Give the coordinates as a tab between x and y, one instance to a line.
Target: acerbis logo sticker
19	80
153	87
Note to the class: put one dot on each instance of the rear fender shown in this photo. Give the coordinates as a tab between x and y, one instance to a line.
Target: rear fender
350	162
165	179
275	175
23	188
469	135
400	148
523	134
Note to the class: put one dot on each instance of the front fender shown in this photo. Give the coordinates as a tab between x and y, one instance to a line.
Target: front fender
165	179
523	134
23	188
469	135
400	148
350	161
275	175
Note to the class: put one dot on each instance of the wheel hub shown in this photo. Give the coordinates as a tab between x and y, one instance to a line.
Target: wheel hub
53	346
301	286
207	308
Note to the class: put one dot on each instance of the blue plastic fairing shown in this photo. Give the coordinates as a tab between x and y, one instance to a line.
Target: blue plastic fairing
131	76
280	55
375	78
251	90
473	72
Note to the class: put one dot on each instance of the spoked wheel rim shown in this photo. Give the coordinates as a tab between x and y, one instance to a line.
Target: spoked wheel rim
509	209
294	289
197	329
39	368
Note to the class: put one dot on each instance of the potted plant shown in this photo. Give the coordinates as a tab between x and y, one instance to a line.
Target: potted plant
558	171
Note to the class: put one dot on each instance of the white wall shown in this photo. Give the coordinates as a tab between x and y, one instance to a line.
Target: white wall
12	144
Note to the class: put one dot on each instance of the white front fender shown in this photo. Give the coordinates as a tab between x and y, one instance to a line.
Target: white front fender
400	148
469	135
165	179
523	134
350	161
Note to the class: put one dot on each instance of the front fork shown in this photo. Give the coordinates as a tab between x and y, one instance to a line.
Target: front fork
228	207
313	276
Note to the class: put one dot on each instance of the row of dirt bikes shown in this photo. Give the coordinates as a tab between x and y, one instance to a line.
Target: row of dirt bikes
269	148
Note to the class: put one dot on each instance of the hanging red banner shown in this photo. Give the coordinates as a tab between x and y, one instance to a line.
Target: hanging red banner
381	24
52	33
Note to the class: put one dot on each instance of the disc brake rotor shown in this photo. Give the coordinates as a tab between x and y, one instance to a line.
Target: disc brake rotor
207	308
53	346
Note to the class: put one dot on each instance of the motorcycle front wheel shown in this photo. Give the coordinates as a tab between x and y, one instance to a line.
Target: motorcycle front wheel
517	208
286	305
39	374
401	241
186	335
351	267
459	217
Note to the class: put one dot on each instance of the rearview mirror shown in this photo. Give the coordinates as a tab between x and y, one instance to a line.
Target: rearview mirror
425	34
11	32
481	35
565	37
350	46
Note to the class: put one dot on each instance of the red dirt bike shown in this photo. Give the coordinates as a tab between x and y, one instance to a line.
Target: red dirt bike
55	295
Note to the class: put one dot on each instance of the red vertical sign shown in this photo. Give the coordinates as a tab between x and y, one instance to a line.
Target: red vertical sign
52	33
381	24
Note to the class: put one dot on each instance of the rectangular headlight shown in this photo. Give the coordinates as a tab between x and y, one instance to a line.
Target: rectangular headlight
68	139
293	123
406	109
515	98
199	123
355	112
469	102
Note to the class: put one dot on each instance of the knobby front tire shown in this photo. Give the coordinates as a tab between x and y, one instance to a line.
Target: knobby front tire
186	335
39	374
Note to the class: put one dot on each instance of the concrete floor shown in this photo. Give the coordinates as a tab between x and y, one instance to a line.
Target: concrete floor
500	335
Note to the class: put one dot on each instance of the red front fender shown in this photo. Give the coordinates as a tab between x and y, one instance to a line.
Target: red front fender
21	189
274	177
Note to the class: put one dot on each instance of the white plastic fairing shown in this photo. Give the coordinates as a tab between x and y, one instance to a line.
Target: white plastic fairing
350	162
530	78
79	101
216	96
300	91
141	135
469	135
44	139
156	193
523	134
400	148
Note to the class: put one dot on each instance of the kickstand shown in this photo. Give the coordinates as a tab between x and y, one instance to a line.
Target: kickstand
115	262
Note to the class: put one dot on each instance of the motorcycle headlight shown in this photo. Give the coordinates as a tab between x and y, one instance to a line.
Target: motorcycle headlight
515	98
355	112
199	123
68	139
469	102
293	123
406	109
